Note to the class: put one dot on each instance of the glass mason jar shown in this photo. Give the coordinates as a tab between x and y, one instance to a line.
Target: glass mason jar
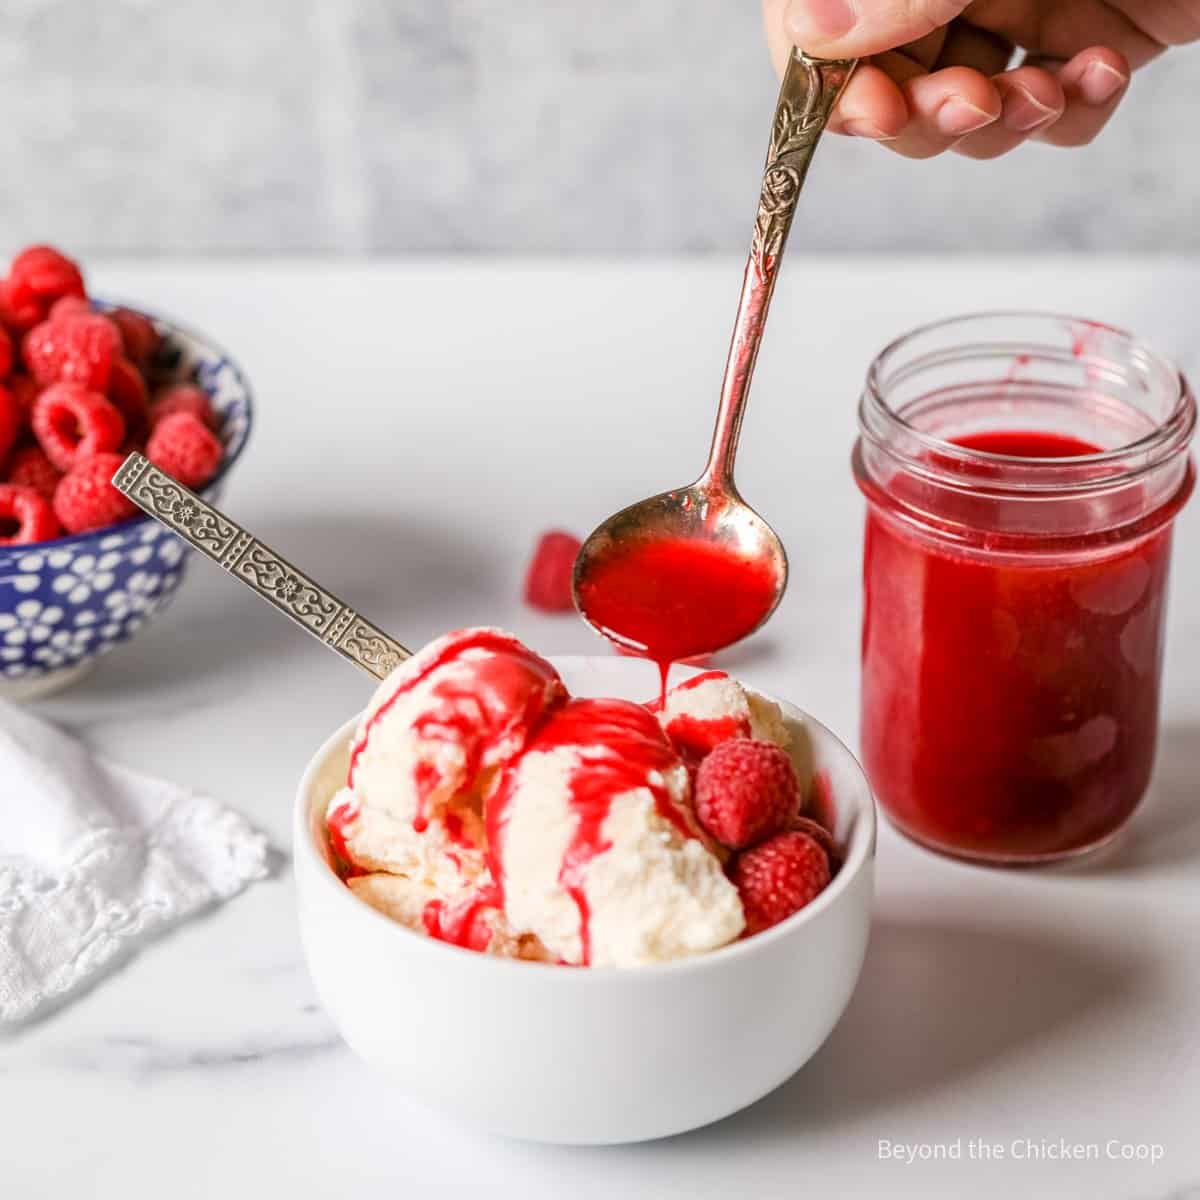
1022	472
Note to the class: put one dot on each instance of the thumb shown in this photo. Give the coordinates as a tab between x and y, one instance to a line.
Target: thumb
857	28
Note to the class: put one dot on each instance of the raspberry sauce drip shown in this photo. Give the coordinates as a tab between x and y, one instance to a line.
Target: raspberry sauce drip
620	748
688	685
464	922
337	822
670	599
694	737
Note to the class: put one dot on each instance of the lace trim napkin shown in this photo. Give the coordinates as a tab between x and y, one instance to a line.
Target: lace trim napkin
96	860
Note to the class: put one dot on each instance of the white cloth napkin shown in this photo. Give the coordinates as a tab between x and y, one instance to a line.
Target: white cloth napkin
96	860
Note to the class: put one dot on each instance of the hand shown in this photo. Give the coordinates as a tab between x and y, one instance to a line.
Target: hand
937	77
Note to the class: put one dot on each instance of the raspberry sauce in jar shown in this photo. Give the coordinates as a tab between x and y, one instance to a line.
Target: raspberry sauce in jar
1022	472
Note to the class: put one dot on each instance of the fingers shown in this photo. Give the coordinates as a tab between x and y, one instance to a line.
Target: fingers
960	109
948	89
1032	99
1169	22
943	107
1105	26
857	28
872	106
967	45
778	42
1093	84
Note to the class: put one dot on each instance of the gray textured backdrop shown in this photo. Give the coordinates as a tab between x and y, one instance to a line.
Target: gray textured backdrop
505	126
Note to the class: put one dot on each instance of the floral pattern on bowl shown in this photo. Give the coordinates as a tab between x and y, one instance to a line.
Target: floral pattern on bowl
65	602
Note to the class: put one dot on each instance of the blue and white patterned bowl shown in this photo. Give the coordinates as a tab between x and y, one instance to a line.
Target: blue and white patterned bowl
64	603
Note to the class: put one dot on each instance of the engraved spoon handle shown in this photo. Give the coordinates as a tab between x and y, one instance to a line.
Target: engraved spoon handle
807	96
260	568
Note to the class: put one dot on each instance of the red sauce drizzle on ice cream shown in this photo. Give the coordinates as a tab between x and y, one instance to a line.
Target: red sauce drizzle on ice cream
620	747
464	922
692	736
697	736
455	831
507	692
337	820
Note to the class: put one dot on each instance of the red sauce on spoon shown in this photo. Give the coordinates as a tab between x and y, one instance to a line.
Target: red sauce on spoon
670	599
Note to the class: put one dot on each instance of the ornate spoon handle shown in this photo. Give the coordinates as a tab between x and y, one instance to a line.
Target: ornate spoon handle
260	568
807	96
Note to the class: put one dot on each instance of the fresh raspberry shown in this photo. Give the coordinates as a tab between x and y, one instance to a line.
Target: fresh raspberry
39	275
67	307
86	499
29	467
6	353
745	791
548	579
8	318
72	424
182	446
138	335
820	835
25	516
44	351
25	391
12	420
778	878
127	390
183	397
78	349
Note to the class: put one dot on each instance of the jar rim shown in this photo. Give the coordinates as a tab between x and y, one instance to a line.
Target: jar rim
1169	437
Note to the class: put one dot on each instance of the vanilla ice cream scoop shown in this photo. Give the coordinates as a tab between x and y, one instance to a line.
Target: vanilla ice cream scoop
708	709
429	747
485	808
593	846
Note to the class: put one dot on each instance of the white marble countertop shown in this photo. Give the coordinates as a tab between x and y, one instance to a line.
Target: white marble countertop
418	424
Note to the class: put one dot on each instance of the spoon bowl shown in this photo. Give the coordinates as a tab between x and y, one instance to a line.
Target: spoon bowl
705	526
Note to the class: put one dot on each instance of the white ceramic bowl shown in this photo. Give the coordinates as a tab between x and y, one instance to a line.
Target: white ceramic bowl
590	1055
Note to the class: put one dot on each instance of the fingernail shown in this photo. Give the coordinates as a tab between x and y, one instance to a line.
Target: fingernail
956	117
820	19
1023	111
1099	82
864	129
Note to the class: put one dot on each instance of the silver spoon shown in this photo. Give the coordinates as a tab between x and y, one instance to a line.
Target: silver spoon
711	510
270	575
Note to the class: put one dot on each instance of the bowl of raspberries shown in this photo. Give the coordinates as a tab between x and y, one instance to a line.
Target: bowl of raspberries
82	383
